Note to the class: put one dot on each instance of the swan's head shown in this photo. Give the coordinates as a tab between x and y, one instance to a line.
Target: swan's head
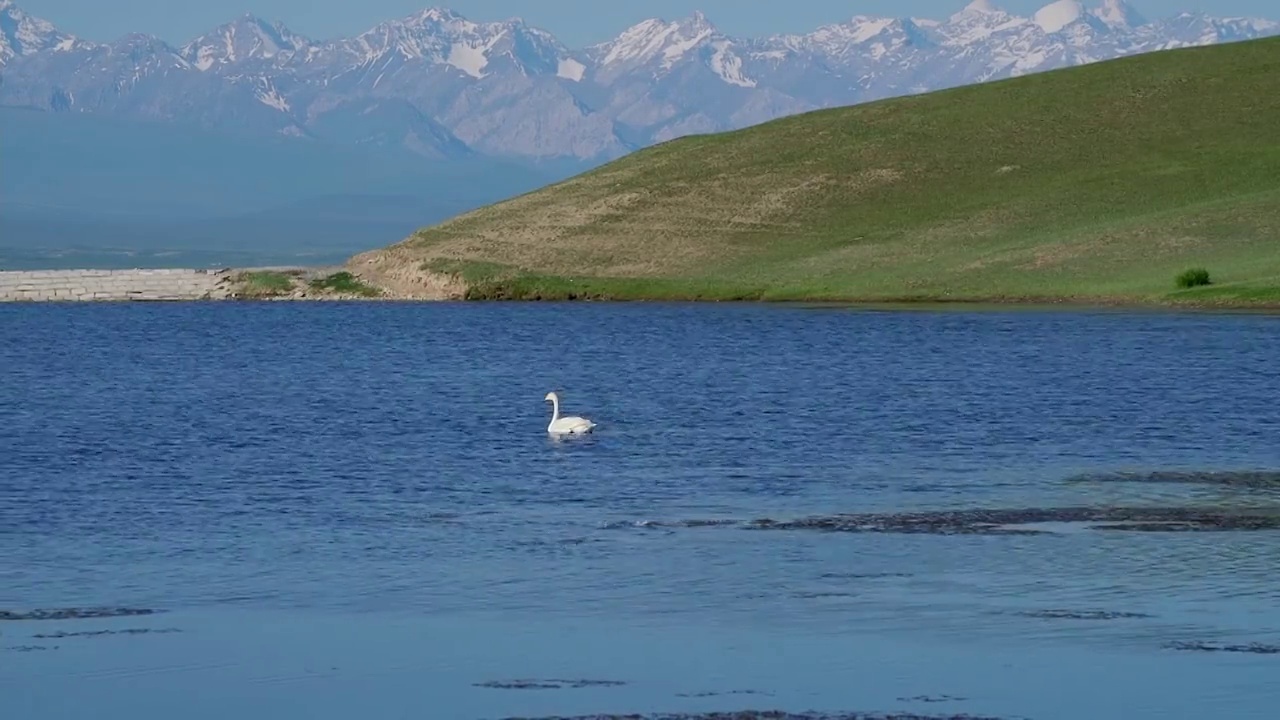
551	397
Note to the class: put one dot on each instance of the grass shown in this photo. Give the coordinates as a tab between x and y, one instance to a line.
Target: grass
259	284
344	283
1264	292
263	283
1095	183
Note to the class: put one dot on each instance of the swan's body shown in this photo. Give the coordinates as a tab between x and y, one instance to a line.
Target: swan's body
568	425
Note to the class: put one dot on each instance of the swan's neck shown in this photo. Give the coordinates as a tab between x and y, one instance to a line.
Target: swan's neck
555	409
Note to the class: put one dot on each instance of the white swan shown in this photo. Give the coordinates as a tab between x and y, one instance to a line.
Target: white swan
570	425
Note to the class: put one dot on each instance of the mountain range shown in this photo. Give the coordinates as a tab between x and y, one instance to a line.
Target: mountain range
446	87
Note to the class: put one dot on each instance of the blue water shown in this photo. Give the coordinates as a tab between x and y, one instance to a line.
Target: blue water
353	510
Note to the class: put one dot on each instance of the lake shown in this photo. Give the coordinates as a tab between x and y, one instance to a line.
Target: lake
332	510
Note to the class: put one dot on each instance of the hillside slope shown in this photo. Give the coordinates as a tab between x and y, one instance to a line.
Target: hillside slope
1099	182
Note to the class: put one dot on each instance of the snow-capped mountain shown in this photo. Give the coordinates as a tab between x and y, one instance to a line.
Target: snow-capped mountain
445	86
243	40
21	34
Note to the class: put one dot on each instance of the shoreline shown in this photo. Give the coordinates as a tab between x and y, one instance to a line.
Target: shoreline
180	284
339	283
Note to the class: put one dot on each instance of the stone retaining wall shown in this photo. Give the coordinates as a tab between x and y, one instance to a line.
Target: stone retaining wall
72	285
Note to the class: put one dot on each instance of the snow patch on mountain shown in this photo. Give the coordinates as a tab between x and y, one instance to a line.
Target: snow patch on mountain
1119	14
247	38
268	95
655	38
1057	15
571	69
728	66
978	7
978	21
469	59
858	30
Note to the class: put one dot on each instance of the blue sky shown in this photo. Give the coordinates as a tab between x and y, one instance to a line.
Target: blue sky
575	22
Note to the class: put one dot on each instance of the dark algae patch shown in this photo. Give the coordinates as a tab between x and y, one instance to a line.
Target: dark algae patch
768	715
75	613
548	684
50	614
1234	478
1006	521
865	576
1254	648
1082	615
99	633
1020	521
720	693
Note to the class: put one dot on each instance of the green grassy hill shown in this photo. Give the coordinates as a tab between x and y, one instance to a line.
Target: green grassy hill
1099	182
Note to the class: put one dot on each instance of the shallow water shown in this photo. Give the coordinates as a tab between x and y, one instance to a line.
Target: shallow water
353	510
